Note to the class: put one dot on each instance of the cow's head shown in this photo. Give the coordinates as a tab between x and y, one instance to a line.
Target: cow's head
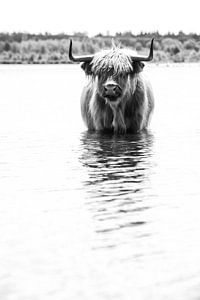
112	70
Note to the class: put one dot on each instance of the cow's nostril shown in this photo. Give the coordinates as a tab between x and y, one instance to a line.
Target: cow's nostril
118	91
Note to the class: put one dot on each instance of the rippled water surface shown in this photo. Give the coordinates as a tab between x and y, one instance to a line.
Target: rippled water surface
92	216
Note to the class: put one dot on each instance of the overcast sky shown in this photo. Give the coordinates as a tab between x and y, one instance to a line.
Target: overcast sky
55	16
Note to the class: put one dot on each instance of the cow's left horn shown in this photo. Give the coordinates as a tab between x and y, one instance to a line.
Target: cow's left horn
84	58
142	58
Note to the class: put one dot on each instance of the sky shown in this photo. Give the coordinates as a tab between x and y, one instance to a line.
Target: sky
102	16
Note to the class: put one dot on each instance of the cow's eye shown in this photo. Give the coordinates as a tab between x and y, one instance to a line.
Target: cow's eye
122	76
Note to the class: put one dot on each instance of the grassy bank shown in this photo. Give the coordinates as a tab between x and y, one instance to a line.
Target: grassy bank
23	48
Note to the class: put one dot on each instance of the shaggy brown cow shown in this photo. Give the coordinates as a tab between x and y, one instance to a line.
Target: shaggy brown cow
117	97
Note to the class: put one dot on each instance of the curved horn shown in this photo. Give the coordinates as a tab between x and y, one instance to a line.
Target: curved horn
84	58
142	58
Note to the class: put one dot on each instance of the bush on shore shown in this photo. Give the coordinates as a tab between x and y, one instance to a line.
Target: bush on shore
46	48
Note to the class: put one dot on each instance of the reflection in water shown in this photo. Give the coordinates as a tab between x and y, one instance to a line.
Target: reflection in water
118	170
92	216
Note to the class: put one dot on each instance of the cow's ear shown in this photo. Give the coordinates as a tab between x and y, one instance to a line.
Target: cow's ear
138	66
87	68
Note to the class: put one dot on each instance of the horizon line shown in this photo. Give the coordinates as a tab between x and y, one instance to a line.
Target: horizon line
85	33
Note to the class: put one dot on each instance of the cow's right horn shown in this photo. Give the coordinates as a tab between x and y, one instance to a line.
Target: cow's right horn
83	58
144	58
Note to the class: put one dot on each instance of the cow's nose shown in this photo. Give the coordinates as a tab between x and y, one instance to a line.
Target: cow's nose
112	90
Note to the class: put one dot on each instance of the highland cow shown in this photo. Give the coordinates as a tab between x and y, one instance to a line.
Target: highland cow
117	97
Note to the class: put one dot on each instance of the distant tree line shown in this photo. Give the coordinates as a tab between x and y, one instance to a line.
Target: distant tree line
45	48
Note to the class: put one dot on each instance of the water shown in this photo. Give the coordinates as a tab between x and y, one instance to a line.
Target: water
92	216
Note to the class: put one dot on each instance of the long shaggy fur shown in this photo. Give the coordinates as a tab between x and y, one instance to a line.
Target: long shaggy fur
114	61
132	111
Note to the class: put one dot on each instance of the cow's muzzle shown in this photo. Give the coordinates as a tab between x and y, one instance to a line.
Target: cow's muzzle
112	91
